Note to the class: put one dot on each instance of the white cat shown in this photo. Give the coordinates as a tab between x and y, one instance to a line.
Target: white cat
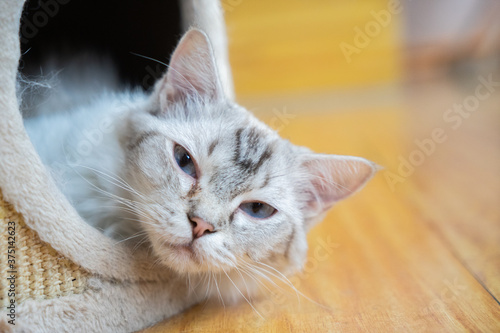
186	171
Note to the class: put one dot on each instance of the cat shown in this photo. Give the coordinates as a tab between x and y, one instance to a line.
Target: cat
189	173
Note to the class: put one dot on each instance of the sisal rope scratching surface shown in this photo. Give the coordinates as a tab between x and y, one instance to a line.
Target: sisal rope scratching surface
41	272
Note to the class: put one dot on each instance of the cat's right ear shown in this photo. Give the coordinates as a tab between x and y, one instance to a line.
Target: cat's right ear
192	73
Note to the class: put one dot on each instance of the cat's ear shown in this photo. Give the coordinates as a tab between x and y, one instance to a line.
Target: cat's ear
332	178
192	72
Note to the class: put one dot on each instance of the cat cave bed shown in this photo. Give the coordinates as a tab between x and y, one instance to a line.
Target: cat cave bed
57	273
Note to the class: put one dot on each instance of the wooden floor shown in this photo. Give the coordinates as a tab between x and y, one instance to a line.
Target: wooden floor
419	249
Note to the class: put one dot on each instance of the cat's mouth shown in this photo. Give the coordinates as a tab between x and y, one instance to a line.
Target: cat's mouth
188	257
193	255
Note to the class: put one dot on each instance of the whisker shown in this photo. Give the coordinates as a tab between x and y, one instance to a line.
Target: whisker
258	281
219	293
142	241
244	282
120	183
131	237
287	282
267	278
239	291
282	278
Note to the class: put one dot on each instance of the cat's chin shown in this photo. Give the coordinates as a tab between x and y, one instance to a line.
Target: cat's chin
187	258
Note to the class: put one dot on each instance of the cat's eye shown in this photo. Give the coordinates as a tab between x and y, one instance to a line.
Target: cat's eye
257	209
185	161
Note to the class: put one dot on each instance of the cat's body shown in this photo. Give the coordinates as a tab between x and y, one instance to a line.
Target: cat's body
80	146
197	178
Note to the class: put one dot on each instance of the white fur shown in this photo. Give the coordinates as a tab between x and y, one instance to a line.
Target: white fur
134	189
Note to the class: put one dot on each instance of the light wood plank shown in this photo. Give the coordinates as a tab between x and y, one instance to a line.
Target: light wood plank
460	180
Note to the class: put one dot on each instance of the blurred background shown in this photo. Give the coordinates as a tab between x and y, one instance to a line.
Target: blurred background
296	47
413	85
304	46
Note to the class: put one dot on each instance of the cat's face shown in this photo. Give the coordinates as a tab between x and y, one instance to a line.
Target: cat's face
219	189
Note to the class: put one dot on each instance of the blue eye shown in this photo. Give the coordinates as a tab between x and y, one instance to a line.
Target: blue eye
258	209
184	161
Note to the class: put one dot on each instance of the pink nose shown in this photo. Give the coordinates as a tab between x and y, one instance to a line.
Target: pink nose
200	227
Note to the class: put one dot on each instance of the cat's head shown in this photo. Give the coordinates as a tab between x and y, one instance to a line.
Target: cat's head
218	188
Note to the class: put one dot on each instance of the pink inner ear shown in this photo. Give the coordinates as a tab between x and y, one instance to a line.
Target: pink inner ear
192	71
336	177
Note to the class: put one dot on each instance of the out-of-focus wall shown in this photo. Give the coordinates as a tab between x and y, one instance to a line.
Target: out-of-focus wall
452	23
432	22
441	34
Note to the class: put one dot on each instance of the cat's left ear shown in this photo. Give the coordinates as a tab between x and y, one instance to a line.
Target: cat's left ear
332	178
192	72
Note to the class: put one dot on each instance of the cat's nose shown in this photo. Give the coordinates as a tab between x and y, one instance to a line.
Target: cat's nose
200	227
